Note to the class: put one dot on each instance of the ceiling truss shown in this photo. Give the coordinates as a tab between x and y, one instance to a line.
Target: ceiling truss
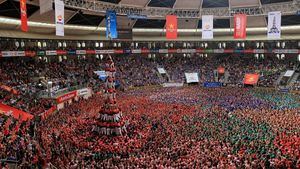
286	8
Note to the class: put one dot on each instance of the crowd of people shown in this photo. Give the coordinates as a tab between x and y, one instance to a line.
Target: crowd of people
186	127
179	128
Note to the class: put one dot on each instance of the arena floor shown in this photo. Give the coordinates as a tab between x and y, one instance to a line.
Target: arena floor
188	127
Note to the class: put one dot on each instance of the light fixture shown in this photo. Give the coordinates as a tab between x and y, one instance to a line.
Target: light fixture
97	44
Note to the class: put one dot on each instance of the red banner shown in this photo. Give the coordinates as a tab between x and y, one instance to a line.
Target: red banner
240	25
171	27
47	113
9	89
17	114
66	97
221	70
23	9
251	79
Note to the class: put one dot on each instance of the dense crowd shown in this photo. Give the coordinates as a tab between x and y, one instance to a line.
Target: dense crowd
179	128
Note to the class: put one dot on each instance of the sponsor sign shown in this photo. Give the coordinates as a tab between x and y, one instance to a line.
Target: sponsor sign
191	77
66	97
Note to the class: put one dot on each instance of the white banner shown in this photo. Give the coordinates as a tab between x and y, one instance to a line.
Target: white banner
51	52
12	53
274	25
192	77
207	27
59	17
289	73
161	70
104	51
45	6
80	52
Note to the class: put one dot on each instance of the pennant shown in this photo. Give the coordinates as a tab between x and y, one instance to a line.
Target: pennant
171	27
274	25
24	24
59	17
111	24
45	6
207	27
240	25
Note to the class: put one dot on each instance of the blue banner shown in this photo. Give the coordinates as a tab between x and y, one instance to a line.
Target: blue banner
111	24
212	84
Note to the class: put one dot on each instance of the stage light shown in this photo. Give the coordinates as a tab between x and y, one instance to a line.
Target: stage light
202	45
262	44
257	45
282	56
205	55
44	44
184	45
262	56
278	56
224	45
149	56
256	56
278	44
171	45
78	45
299	57
115	44
220	45
184	55
136	44
243	44
238	45
101	56
22	44
283	44
119	44
166	45
17	44
299	44
101	44
97	57
39	44
59	58
59	44
205	45
64	44
96	44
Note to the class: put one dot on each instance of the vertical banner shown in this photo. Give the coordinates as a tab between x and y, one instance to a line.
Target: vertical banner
240	25
45	6
274	25
59	17
24	24
171	27
207	27
111	24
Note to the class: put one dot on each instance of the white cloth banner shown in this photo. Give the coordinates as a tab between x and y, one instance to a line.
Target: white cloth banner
59	17
207	27
161	70
274	25
192	77
45	6
289	73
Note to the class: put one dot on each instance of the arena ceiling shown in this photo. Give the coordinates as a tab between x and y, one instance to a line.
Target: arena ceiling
95	21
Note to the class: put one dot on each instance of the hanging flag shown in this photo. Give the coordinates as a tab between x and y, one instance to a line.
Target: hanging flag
45	6
240	25
171	27
207	27
274	25
111	24
59	17
24	24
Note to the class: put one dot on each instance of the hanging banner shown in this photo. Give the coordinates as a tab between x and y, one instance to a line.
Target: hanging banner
45	6
171	27
191	77
274	25
59	17
251	79
240	25
207	27
111	24
24	24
